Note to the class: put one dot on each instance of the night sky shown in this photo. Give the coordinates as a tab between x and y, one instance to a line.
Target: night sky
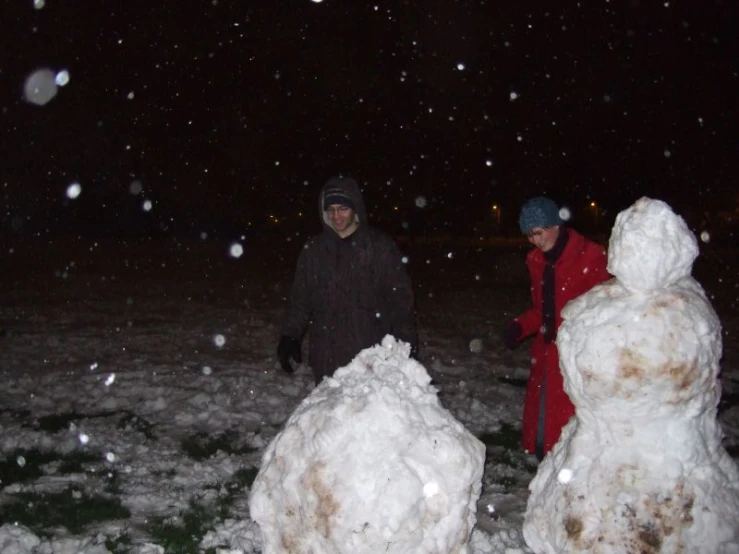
230	112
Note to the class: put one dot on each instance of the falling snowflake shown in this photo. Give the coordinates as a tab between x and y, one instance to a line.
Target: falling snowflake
236	250
40	87
135	187
62	78
74	190
476	346
564	476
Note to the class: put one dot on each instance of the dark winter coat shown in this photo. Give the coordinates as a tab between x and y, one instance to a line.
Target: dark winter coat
581	266
349	293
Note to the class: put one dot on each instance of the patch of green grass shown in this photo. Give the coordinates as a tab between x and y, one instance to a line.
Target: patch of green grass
165	473
183	534
23	465
112	483
70	508
519	383
54	423
507	482
74	461
15	414
504	448
508	437
119	545
138	423
201	446
728	400
241	480
243	477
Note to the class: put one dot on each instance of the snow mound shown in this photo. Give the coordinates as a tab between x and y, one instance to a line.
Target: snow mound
240	536
370	462
17	539
651	247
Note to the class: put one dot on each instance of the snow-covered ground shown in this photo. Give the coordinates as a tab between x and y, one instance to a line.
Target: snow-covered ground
140	386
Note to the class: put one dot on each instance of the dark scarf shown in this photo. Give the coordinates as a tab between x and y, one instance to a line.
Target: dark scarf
548	306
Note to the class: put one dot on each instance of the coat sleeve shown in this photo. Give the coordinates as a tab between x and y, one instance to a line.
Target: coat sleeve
530	322
397	294
299	309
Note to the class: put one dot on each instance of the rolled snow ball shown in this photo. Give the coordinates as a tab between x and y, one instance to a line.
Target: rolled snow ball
40	87
370	462
650	247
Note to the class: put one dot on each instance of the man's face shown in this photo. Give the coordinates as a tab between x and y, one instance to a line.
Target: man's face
342	219
544	237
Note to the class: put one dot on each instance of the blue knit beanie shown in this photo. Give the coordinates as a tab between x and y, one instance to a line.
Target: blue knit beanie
539	212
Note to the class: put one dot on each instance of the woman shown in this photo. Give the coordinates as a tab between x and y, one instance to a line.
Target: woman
562	266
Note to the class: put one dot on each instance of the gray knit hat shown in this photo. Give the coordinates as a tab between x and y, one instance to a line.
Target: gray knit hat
335	193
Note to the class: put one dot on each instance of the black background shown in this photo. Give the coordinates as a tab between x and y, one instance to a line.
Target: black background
232	114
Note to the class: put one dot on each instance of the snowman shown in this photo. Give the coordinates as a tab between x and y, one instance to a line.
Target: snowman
640	468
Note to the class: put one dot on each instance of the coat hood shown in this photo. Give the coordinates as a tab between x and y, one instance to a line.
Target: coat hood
351	188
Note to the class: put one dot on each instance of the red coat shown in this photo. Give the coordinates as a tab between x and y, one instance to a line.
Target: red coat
581	266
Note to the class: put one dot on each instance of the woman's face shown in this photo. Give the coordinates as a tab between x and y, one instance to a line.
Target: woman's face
544	238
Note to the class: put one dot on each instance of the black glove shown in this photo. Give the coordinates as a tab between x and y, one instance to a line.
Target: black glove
511	334
289	348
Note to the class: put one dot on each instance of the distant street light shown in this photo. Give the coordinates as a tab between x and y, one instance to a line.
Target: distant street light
594	205
496	211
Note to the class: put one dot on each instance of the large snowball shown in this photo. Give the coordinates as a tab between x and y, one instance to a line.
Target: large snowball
370	463
650	247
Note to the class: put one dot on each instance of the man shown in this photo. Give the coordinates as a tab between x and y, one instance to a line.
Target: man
562	266
350	288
